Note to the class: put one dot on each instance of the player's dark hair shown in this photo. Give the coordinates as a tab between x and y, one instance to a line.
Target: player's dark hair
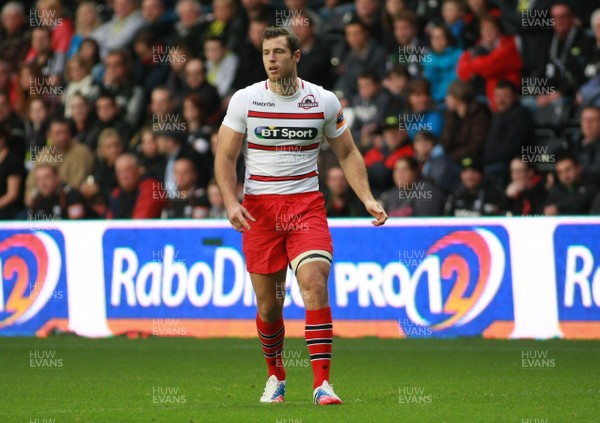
274	32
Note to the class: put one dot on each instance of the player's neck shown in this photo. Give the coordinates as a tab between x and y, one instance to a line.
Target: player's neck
284	87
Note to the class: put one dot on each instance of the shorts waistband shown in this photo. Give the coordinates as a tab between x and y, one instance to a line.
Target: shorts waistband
260	197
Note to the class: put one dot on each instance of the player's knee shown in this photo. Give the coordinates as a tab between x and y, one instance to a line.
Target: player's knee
269	311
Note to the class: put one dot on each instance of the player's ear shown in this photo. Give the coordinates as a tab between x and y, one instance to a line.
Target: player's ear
296	56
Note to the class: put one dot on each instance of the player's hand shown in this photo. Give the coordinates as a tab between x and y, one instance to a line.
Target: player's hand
375	210
238	217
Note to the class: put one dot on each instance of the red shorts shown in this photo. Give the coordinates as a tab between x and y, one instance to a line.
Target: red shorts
286	226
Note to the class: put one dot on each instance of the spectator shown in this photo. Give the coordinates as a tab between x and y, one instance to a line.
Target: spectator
364	55
420	113
221	65
511	130
97	189
119	32
530	23
30	83
195	78
162	106
380	160
80	80
259	10
172	146
227	25
75	162
179	54
440	70
315	65
190	201
14	34
392	10
17	129
199	137
299	9
413	195
36	126
340	201
466	123
435	164
571	195
474	197
477	10
150	67
117	82
407	49
250	67
426	11
81	120
50	14
453	15
89	51
51	62
134	197
191	25
569	54
7	80
87	19
588	151
108	117
369	13
54	200
525	195
157	20
152	163
396	82
217	206
495	57
371	106
592	70
12	174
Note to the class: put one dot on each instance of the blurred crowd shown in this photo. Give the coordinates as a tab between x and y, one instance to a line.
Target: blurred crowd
110	109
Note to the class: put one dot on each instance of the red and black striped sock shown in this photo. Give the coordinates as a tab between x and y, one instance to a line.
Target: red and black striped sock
319	334
271	337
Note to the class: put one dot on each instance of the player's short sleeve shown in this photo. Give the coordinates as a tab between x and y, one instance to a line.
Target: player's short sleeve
237	111
335	124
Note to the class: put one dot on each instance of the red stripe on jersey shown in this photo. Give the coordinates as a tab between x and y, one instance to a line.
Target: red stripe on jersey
266	85
262	178
270	115
283	147
302	83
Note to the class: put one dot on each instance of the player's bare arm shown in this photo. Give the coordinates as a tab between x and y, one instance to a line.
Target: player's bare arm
229	145
355	170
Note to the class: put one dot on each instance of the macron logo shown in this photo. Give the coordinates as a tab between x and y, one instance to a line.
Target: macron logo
263	103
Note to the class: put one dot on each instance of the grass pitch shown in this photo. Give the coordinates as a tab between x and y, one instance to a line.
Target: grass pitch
221	380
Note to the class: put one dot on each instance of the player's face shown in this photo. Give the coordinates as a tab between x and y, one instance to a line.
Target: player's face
278	60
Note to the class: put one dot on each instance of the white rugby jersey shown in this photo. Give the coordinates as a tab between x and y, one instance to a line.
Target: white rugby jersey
283	135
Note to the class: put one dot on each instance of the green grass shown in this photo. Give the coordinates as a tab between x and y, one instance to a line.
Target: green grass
467	380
